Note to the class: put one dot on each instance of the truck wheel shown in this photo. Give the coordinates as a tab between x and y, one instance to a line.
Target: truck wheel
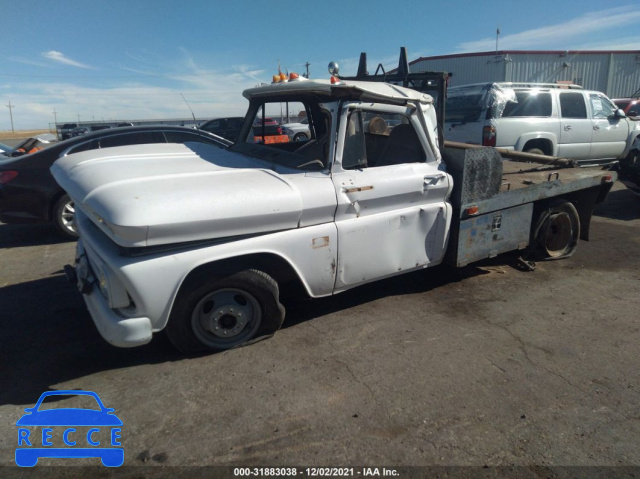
63	216
227	312
300	137
557	231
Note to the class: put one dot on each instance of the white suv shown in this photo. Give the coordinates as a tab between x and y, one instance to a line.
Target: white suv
550	119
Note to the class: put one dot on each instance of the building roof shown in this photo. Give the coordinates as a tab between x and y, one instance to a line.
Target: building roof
526	52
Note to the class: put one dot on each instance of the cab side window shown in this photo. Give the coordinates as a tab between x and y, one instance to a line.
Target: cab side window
572	105
376	139
354	154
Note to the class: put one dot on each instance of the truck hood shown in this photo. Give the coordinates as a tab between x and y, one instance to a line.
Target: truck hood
145	195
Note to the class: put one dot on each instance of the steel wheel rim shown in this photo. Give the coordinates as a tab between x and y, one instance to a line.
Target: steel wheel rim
559	234
67	215
226	317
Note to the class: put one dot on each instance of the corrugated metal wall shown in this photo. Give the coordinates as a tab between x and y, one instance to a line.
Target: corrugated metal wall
616	74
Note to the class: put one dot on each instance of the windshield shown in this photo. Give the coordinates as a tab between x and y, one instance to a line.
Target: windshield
267	140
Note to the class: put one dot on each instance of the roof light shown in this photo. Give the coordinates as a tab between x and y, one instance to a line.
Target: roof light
335	80
293	76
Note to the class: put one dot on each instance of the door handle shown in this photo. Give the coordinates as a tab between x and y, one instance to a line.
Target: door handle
356	189
567	127
431	180
596	127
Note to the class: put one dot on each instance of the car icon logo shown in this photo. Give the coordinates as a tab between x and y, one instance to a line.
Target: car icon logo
67	426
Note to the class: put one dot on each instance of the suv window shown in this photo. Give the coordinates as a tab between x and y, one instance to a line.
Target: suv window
601	106
465	104
530	103
572	105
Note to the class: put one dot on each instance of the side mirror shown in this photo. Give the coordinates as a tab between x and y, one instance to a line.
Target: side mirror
619	113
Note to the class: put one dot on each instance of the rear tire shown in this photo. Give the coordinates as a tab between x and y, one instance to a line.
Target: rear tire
557	231
64	217
225	313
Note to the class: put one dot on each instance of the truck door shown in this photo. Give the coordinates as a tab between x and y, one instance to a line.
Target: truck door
391	215
610	132
576	128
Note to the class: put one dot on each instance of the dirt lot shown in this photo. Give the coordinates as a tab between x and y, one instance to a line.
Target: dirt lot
11	136
483	366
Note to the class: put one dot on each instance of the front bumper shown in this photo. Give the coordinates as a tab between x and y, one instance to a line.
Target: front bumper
115	329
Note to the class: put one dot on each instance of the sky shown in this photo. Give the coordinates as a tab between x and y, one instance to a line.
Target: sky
106	60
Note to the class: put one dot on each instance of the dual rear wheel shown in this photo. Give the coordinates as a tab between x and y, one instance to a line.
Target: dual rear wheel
557	231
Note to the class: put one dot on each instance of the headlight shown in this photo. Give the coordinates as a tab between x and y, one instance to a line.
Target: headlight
110	286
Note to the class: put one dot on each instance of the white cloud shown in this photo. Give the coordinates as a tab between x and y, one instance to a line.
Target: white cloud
571	34
60	58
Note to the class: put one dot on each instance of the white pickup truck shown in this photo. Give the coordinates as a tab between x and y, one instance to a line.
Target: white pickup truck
200	241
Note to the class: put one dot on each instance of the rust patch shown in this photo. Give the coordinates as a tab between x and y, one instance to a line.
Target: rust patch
321	242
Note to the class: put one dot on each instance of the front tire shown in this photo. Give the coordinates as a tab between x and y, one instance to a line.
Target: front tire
64	217
557	231
225	312
300	137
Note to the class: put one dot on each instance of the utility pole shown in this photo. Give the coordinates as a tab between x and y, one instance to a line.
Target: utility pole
11	107
307	65
497	35
78	118
55	117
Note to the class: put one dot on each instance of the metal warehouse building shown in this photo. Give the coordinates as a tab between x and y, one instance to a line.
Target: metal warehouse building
615	73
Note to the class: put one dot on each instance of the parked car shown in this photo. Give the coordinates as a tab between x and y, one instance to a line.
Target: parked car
5	149
29	194
79	131
297	131
549	119
225	127
65	132
33	144
631	106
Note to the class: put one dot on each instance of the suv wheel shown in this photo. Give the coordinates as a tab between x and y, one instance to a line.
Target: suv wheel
535	151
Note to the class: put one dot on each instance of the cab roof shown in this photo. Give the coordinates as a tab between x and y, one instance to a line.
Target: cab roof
351	90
